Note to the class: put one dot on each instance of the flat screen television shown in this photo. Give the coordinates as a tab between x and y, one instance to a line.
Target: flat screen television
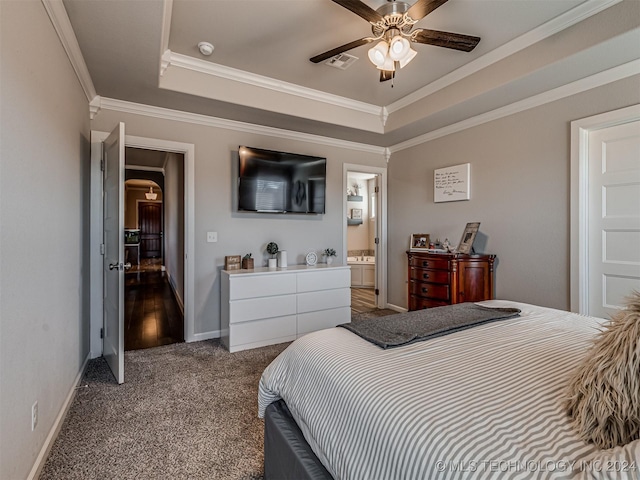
280	182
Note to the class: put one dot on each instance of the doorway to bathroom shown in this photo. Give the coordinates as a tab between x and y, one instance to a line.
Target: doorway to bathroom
364	239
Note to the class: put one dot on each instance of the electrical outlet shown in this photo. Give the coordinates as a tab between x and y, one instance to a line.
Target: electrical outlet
212	237
34	415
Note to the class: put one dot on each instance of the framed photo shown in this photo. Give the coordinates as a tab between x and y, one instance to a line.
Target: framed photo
356	214
468	236
419	242
232	262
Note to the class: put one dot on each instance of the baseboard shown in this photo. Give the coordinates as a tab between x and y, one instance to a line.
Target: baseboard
390	306
197	337
55	428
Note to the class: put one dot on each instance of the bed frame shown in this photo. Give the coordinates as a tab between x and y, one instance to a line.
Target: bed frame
287	455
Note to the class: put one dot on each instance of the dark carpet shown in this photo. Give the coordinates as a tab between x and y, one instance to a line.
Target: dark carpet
185	411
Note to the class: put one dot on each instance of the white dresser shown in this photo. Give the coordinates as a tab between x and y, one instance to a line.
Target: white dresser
263	306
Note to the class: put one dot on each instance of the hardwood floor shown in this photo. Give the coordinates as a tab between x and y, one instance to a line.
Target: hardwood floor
152	316
363	300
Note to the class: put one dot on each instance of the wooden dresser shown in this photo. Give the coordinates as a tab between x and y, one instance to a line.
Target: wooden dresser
437	279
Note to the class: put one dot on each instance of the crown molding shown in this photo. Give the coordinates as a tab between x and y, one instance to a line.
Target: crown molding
62	25
597	80
143	168
236	75
566	20
167	12
198	119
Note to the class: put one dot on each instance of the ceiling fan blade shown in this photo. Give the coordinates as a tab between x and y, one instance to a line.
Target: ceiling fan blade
361	9
422	8
455	41
343	48
386	75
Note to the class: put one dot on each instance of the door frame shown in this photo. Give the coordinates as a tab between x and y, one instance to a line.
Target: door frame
579	258
381	214
96	279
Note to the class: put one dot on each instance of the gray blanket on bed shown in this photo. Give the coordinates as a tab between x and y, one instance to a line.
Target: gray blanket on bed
405	328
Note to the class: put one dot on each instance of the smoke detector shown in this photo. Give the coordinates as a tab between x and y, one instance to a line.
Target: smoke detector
205	48
341	61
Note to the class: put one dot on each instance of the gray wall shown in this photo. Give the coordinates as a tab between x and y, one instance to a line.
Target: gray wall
520	189
44	150
241	233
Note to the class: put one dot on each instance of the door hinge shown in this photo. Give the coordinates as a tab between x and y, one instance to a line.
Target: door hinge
102	165
377	291
102	249
377	189
102	333
377	241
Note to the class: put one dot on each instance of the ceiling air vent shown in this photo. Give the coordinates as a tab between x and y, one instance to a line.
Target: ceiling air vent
341	61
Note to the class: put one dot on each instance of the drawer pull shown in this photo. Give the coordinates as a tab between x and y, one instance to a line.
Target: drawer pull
425	276
425	264
424	290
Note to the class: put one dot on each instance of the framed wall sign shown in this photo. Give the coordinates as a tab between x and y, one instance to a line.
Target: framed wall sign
468	236
451	184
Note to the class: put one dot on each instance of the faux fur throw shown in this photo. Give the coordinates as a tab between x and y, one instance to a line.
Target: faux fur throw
604	393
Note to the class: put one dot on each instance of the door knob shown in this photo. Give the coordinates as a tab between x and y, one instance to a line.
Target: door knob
120	266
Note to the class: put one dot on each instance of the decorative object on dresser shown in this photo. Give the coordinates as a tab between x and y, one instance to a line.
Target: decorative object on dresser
419	242
468	236
272	249
247	262
232	262
329	253
264	307
311	259
438	279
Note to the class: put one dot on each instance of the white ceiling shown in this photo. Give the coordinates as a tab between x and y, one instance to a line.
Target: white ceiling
146	52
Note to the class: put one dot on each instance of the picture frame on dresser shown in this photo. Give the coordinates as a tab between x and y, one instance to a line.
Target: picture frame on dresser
468	236
419	242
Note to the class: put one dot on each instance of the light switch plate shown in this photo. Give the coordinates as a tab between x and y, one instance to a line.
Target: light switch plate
212	237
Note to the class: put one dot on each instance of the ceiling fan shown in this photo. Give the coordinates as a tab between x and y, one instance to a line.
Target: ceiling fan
392	24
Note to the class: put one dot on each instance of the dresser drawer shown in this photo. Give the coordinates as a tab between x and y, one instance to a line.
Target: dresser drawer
260	332
263	307
421	262
432	276
323	300
430	290
419	303
312	321
323	280
241	286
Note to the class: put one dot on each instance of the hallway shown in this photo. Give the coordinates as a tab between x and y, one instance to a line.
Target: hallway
152	315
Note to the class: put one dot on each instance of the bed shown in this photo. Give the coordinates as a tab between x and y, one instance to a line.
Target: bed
483	402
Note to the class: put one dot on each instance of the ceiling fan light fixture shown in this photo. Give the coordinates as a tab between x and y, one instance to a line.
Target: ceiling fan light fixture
389	65
399	48
408	57
378	54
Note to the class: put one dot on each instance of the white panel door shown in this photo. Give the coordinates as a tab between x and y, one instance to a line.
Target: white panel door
113	343
614	217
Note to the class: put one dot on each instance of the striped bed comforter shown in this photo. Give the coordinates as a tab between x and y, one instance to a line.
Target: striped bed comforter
483	403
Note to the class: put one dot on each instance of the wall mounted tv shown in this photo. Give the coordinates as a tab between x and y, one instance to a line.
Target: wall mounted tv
279	182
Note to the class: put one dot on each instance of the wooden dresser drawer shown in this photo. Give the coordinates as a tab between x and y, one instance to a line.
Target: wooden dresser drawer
432	276
419	303
430	290
438	263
